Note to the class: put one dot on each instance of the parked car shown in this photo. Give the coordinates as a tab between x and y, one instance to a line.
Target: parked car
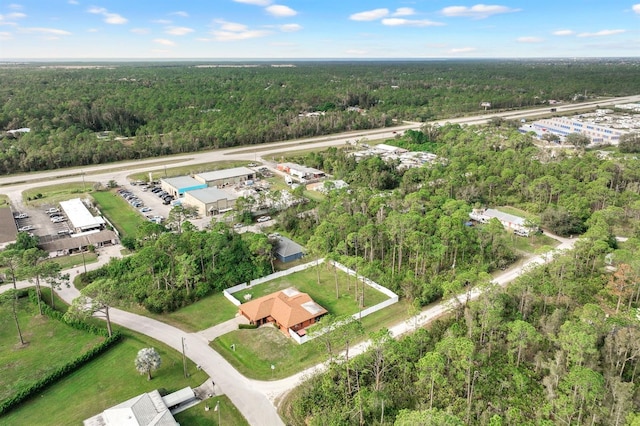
58	219
52	210
264	218
145	209
238	225
26	228
21	216
55	217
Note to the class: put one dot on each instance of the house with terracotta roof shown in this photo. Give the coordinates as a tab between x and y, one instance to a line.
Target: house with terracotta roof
289	309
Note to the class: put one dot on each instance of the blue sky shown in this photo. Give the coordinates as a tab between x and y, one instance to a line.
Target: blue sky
228	29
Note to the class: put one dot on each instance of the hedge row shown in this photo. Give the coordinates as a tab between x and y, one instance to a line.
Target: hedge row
64	370
77	324
247	326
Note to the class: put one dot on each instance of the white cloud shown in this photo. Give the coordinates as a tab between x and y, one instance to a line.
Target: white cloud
164	42
404	11
140	30
161	21
636	8
180	13
93	30
255	2
370	15
75	2
280	11
41	30
14	6
5	35
478	11
529	40
109	18
462	50
563	32
10	17
233	31
602	33
401	22
290	28
179	31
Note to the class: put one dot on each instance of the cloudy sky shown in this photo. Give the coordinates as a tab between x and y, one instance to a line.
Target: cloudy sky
222	29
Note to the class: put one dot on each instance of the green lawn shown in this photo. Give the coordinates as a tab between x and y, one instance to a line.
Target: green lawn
518	212
207	312
227	413
75	260
106	381
50	344
256	350
534	243
324	294
119	212
4	200
53	194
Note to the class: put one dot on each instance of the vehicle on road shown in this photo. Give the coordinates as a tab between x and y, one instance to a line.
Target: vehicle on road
238	225
21	216
26	228
264	218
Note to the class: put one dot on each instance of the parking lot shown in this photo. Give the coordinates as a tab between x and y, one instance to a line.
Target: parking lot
39	223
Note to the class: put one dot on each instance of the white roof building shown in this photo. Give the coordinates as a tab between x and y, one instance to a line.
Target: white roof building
80	217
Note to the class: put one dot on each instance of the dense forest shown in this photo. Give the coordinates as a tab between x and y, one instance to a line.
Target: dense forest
145	110
561	345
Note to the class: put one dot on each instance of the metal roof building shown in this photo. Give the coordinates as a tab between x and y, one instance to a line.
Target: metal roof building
210	201
226	176
80	217
180	185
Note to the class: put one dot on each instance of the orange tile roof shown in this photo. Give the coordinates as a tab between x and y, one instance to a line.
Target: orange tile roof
288	307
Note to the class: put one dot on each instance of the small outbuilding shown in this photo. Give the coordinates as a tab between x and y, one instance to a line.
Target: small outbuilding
288	250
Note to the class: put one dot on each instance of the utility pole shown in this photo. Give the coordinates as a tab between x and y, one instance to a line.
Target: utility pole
184	360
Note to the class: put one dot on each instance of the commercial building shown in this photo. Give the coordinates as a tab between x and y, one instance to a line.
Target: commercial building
562	126
81	218
210	201
220	178
299	171
515	223
178	186
80	242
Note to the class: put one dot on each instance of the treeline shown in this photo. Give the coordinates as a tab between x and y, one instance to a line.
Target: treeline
561	345
170	270
408	231
154	110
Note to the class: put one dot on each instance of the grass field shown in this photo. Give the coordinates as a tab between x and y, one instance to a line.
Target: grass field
119	212
106	381
518	212
53	194
324	294
4	200
207	312
68	262
227	413
50	344
187	170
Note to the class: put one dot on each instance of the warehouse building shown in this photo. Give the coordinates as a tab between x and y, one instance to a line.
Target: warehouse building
81	218
221	178
210	201
562	126
178	186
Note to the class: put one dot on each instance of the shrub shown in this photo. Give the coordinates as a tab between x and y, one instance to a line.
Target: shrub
247	326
